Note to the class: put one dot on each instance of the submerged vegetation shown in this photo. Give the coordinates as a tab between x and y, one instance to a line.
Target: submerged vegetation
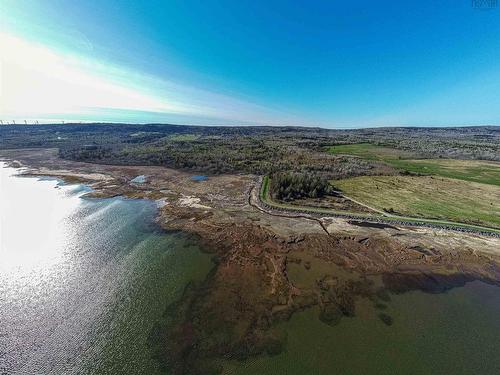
268	266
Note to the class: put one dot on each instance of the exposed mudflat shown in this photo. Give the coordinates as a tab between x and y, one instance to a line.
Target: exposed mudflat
268	267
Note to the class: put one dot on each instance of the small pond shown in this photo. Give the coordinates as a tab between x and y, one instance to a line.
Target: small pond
199	178
139	179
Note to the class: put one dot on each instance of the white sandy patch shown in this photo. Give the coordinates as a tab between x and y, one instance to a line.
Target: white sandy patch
161	202
61	172
190	201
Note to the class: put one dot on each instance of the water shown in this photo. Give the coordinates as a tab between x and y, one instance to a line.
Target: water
83	281
199	178
457	332
139	179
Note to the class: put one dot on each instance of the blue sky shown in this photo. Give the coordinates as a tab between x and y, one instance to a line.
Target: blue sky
317	63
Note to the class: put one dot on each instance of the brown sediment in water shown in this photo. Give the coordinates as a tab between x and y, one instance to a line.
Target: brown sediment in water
266	267
261	278
431	282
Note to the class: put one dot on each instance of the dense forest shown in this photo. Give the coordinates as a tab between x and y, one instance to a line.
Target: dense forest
290	186
256	150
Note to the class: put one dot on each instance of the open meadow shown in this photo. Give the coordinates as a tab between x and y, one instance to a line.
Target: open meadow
428	196
483	171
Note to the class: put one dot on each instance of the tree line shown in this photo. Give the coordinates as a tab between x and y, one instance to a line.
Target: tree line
288	186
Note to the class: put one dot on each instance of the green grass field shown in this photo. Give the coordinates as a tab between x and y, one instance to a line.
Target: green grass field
486	222
369	151
464	191
183	137
264	193
428	197
486	172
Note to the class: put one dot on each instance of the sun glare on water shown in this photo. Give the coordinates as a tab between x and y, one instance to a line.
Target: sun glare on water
34	239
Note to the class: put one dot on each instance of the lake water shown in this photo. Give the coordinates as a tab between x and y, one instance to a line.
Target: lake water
450	333
139	179
199	178
83	281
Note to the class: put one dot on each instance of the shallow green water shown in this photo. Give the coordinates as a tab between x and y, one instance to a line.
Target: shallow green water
453	333
82	282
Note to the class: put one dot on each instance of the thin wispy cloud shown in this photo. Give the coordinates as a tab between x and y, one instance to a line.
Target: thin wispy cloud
230	63
40	82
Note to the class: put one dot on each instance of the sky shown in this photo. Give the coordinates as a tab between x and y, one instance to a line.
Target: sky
335	64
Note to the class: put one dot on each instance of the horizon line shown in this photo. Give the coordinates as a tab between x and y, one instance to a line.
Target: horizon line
64	123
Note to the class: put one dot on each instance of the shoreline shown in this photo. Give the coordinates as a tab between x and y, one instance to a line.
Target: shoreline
267	268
